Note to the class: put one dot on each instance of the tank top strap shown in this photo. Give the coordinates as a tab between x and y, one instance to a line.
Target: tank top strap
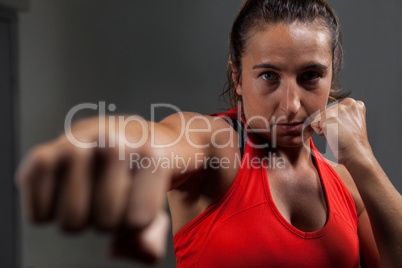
339	198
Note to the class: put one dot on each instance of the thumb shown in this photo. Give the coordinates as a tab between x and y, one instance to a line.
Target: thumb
317	128
147	245
315	123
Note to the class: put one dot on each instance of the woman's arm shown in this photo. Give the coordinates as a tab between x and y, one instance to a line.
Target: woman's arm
383	203
119	183
369	256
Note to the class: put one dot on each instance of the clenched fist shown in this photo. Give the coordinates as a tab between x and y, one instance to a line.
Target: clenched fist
94	187
344	126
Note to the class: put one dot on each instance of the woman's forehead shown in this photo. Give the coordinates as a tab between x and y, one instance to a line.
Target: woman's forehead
289	41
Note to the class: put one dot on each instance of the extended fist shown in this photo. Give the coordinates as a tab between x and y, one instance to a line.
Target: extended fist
84	187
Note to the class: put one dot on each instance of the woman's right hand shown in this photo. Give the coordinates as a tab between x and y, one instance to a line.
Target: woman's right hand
90	187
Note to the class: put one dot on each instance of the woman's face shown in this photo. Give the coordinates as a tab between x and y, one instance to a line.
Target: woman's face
286	77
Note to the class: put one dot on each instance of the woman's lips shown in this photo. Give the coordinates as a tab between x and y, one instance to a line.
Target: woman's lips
291	127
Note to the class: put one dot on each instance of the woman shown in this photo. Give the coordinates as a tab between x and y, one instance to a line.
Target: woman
285	57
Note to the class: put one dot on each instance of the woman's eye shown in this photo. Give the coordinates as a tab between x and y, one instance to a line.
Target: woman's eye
270	76
310	75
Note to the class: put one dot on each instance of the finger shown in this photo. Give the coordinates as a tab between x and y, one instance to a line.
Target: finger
362	106
35	180
147	195
74	198
315	123
111	191
327	116
148	245
316	126
348	101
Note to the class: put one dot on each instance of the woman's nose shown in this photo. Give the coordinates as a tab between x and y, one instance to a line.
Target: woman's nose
290	99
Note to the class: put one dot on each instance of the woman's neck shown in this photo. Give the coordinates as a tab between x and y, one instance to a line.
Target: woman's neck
294	157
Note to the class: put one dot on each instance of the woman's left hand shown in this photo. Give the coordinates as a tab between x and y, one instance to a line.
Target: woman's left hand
344	126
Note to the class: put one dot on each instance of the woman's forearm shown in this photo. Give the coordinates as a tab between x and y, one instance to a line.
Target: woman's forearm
383	204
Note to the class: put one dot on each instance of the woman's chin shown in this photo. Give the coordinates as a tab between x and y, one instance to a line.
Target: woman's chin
289	142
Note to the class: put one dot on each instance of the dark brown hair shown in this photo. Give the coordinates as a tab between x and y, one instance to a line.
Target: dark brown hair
257	13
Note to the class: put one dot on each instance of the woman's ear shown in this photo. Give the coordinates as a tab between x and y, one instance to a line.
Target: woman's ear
236	79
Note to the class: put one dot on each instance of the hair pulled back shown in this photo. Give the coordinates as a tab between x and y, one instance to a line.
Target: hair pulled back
257	13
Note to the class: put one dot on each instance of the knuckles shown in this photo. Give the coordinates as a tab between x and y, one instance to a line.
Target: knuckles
349	111
60	163
349	106
41	165
349	102
34	165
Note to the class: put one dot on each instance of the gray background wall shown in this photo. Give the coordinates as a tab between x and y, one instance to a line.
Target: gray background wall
134	53
8	139
15	4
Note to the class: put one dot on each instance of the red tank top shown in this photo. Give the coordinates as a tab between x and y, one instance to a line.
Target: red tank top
244	228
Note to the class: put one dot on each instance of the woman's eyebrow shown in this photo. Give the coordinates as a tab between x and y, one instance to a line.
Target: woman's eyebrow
315	66
266	66
271	66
